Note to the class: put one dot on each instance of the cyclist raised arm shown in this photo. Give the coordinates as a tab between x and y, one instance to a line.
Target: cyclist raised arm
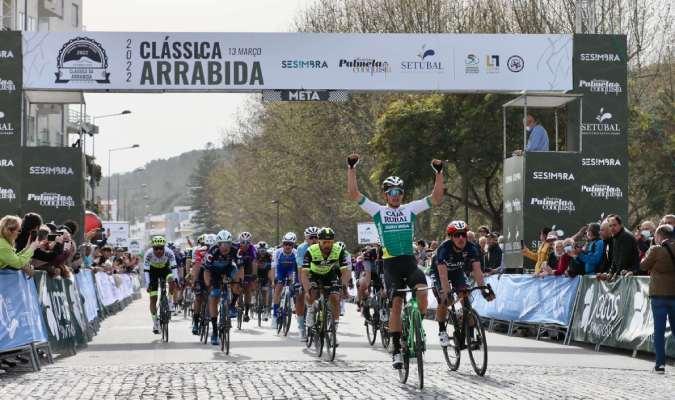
395	224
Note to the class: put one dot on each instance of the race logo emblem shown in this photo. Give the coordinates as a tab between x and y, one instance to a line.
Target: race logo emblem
425	62
7	194
515	63
7	85
82	60
492	64
471	64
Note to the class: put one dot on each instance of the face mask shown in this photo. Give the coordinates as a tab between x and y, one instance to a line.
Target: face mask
646	234
528	129
568	249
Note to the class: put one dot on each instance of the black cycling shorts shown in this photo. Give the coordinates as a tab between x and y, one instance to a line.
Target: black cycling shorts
155	275
263	278
329	279
402	271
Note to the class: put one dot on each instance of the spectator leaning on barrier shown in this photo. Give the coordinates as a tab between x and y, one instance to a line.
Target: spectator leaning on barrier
554	257
625	255
660	264
541	256
30	223
606	236
592	254
10	227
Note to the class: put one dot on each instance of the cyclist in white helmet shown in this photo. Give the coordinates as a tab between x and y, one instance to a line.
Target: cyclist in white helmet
311	237
248	262
395	223
198	285
285	265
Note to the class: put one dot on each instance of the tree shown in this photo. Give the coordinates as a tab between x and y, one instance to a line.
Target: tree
202	201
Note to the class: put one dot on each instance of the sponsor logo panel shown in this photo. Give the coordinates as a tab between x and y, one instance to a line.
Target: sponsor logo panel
602	191
515	63
601	162
82	59
365	65
492	63
553	204
552	176
426	61
602	86
304	64
52	200
605	124
6	126
471	64
50	170
7	194
599	57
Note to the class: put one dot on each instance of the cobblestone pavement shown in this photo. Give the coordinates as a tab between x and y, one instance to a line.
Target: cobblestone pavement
341	380
126	361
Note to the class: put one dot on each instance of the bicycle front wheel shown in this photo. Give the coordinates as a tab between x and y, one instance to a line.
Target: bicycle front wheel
288	315
453	352
331	340
419	349
476	342
371	332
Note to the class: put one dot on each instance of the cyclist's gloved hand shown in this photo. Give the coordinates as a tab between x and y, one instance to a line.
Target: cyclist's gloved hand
437	166
352	160
488	294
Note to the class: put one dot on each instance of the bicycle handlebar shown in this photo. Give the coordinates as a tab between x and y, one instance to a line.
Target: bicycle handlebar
413	289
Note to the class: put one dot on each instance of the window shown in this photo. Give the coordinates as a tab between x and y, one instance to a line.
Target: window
32	24
20	22
75	18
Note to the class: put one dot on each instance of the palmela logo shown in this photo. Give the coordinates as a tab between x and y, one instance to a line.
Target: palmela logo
7	85
515	63
82	60
555	204
601	86
602	191
365	65
6	128
600	162
7	194
43	170
54	200
471	64
425	62
604	126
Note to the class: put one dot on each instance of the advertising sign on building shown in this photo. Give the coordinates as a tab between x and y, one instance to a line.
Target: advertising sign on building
181	61
11	76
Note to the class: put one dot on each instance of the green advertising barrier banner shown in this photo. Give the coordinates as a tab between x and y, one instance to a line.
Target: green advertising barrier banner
616	314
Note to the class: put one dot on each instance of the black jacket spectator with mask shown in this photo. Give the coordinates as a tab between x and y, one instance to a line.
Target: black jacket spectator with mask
624	253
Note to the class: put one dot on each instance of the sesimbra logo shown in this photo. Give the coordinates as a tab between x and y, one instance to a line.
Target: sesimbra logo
552	176
43	170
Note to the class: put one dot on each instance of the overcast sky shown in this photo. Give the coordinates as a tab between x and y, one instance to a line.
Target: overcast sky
165	125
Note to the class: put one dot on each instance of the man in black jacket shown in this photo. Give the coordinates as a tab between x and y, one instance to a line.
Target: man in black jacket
493	256
625	253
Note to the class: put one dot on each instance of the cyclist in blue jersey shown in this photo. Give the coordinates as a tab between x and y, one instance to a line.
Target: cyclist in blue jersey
285	265
158	263
221	259
453	258
311	237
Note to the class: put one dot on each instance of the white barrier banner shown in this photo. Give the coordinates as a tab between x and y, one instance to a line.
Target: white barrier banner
226	62
105	288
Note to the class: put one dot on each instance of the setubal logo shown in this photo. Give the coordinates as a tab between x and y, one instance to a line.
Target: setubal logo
471	64
54	200
515	63
601	86
424	64
365	65
6	128
553	204
82	60
7	194
602	191
604	126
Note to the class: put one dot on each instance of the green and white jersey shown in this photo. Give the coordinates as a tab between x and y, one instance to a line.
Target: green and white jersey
396	226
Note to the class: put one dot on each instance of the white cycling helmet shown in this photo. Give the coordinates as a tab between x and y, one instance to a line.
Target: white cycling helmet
289	237
224	237
245	237
392	181
209	239
341	245
311	231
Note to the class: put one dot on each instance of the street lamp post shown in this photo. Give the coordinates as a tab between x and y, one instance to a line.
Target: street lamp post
93	142
278	203
110	175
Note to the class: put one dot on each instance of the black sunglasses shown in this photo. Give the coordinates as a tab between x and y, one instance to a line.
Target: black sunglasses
459	234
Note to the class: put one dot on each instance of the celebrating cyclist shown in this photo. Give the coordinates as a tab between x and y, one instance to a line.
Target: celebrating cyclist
221	259
285	266
453	257
248	261
158	263
311	237
395	223
325	264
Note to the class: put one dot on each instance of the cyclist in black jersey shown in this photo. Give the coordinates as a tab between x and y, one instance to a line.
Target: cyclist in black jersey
453	257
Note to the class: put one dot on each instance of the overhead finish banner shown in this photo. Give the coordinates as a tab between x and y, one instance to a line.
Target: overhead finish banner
183	61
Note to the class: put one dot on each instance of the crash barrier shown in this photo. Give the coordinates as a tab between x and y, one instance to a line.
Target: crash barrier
43	315
611	314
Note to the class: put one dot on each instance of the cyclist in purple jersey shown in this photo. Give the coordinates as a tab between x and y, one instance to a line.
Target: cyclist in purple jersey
248	261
